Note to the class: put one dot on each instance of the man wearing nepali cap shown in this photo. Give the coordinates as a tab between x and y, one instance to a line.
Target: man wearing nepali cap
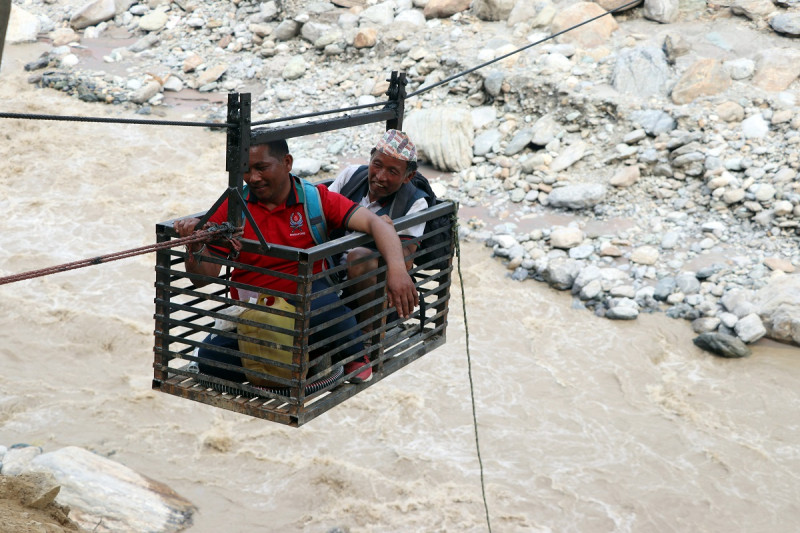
384	187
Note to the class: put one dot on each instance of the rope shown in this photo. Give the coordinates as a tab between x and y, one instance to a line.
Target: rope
518	50
33	116
469	373
225	231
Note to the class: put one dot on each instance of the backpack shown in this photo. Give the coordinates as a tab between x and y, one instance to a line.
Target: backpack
429	252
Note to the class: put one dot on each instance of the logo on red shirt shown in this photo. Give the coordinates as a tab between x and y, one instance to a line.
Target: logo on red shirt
296	224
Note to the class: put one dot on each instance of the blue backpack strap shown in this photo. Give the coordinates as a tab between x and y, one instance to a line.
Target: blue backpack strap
309	195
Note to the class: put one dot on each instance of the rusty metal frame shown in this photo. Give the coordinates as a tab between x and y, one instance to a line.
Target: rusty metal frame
185	316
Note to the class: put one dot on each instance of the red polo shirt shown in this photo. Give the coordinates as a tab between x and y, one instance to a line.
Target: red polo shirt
284	225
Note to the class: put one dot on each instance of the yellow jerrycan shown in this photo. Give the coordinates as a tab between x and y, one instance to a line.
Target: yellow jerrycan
267	352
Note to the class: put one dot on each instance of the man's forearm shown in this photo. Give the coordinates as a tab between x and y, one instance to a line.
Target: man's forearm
388	244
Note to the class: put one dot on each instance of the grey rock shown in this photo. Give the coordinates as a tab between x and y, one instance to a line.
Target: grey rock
675	46
664	288
295	68
411	17
378	15
642	71
739	302
313	32
565	237
663	11
560	273
577	196
520	274
749	328
592	290
788	23
145	92
569	156
153	21
622	313
494	82
634	137
519	142
705	324
740	68
504	241
687	283
483	116
654	122
306	166
486	142
17	459
492	9
722	345
148	41
670	240
583	251
587	275
93	13
778	306
286	30
755	127
545	130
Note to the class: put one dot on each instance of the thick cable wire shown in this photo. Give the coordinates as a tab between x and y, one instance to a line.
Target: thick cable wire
35	116
319	113
518	50
199	236
469	373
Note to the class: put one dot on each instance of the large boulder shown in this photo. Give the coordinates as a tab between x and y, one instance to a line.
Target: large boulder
722	345
589	35
443	136
778	305
663	11
445	8
776	68
377	15
609	5
788	23
752	9
101	491
22	27
642	71
493	9
93	13
704	78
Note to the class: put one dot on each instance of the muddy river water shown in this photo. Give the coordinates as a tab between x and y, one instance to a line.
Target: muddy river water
586	424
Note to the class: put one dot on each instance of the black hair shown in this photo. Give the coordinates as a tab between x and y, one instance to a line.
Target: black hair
277	149
411	166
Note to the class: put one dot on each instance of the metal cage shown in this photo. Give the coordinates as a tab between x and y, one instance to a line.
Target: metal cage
309	380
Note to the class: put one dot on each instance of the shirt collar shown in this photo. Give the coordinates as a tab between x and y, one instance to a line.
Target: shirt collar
293	198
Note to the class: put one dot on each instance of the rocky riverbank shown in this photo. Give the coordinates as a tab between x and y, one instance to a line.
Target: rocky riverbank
646	162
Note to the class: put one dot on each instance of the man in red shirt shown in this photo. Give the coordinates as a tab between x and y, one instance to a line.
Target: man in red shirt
274	202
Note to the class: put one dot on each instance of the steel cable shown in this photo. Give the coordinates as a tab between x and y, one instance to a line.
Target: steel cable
223	230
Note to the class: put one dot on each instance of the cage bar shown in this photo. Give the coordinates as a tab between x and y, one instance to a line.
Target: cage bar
311	383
